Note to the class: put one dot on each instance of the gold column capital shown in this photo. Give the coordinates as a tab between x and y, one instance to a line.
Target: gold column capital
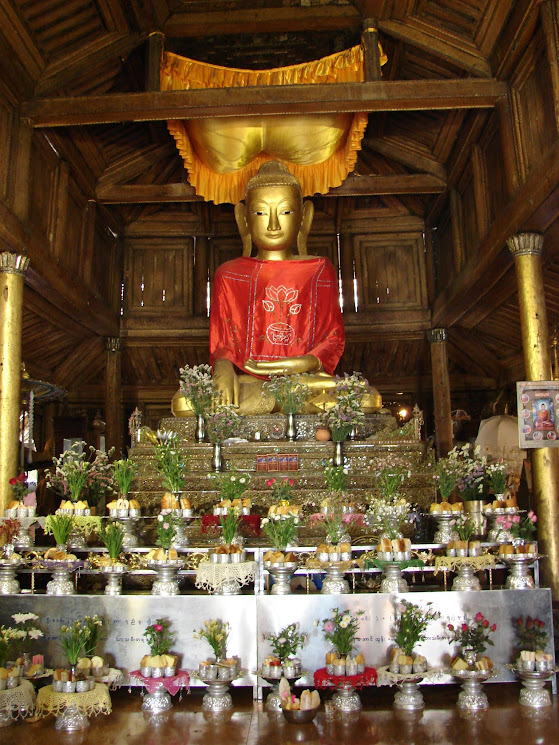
436	336
525	244
12	263
112	343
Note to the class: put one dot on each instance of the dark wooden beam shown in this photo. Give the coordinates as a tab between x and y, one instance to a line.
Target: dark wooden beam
147	194
136	163
262	20
392	95
403	151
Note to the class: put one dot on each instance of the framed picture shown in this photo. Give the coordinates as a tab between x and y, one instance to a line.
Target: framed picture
538	413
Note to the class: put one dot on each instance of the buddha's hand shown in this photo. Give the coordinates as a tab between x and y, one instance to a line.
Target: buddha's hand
226	381
307	363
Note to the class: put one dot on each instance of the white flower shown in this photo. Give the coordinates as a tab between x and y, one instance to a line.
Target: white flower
346	619
233	478
344	623
242	480
23	617
34	633
316	622
282	640
160	518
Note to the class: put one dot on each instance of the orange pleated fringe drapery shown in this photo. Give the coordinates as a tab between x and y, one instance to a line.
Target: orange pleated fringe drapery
181	73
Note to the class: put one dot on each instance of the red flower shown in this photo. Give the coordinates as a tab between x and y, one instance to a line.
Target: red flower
494	627
21	477
13	481
479	617
270	482
485	623
519	621
450	626
528	623
291	482
464	627
157	627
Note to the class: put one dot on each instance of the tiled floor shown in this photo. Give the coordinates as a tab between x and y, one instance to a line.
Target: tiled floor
504	723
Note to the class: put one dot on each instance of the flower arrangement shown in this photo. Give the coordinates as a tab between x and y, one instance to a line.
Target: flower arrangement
411	624
159	637
222	423
497	476
445	475
197	386
287	641
93	627
166	531
229	524
471	472
112	536
231	484
290	391
169	461
346	413
474	634
124	471
336	522
26	632
281	489
8	637
8	530
335	477
216	633
19	486
76	638
101	478
341	630
388	515
463	526
60	526
280	529
79	468
520	527
531	633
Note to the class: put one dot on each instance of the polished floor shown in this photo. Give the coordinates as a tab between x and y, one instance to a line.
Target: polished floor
504	723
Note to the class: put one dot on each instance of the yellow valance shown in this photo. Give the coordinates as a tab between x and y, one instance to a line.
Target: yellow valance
221	154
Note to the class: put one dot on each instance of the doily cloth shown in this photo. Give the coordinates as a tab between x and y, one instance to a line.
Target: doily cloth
97	701
388	678
213	577
323	680
18	701
171	684
453	563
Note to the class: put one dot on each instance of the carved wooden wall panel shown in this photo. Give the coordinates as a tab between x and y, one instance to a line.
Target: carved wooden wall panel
323	245
159	276
6	127
44	165
222	249
443	247
106	273
469	215
496	191
73	229
390	272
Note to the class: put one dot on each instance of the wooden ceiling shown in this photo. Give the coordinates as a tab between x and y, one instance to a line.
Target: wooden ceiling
80	69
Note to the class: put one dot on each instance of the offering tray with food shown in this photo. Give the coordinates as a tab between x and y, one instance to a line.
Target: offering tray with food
225	576
62	565
444	514
534	670
498	513
112	569
282	566
242	506
345	698
300	710
408	696
278	675
218	676
472	697
159	675
519	559
73	709
176	505
334	583
166	562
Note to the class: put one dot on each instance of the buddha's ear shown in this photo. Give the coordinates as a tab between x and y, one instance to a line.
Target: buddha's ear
305	229
242	225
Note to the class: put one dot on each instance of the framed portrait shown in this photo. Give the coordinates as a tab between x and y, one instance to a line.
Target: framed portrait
538	413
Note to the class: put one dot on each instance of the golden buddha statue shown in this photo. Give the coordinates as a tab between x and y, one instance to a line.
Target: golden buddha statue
279	312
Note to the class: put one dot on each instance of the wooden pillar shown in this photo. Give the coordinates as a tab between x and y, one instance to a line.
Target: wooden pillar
113	397
22	184
12	271
201	275
441	391
371	51
153	60
527	251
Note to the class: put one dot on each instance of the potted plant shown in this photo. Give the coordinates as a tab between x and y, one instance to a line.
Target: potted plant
124	470
341	629
472	636
411	623
220	425
197	386
112	537
291	392
471	482
286	642
166	531
216	633
170	462
280	529
60	526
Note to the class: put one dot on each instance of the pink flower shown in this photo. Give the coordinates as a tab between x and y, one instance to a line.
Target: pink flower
485	623
534	518
165	526
291	482
329	626
450	627
494	627
479	617
516	518
157	627
270	482
464	627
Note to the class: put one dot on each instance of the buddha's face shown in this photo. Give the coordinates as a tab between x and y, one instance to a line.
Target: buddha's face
274	217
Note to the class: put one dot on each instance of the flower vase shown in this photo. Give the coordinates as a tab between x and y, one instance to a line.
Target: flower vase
338	459
290	430
200	434
216	457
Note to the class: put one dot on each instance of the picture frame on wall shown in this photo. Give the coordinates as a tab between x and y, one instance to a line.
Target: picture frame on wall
538	413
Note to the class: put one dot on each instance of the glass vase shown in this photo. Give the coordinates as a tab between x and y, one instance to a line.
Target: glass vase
200	433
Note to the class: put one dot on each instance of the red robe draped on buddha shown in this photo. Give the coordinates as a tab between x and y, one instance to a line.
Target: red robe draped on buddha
268	310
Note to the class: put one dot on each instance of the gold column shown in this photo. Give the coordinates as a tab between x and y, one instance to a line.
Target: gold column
113	397
12	271
527	251
441	391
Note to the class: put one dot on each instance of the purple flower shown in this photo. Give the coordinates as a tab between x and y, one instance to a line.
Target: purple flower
329	627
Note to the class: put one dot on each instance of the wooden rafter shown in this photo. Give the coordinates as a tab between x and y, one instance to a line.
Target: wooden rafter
406	152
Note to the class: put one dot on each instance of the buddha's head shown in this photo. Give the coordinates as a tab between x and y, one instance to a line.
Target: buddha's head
273	213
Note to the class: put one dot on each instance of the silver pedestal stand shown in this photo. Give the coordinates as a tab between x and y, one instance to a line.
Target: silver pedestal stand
158	701
472	697
346	699
282	574
409	696
496	534
167	582
8	582
466	579
392	579
113	574
444	532
533	692
23	538
273	702
61	582
218	698
130	539
519	577
334	582
72	719
181	539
